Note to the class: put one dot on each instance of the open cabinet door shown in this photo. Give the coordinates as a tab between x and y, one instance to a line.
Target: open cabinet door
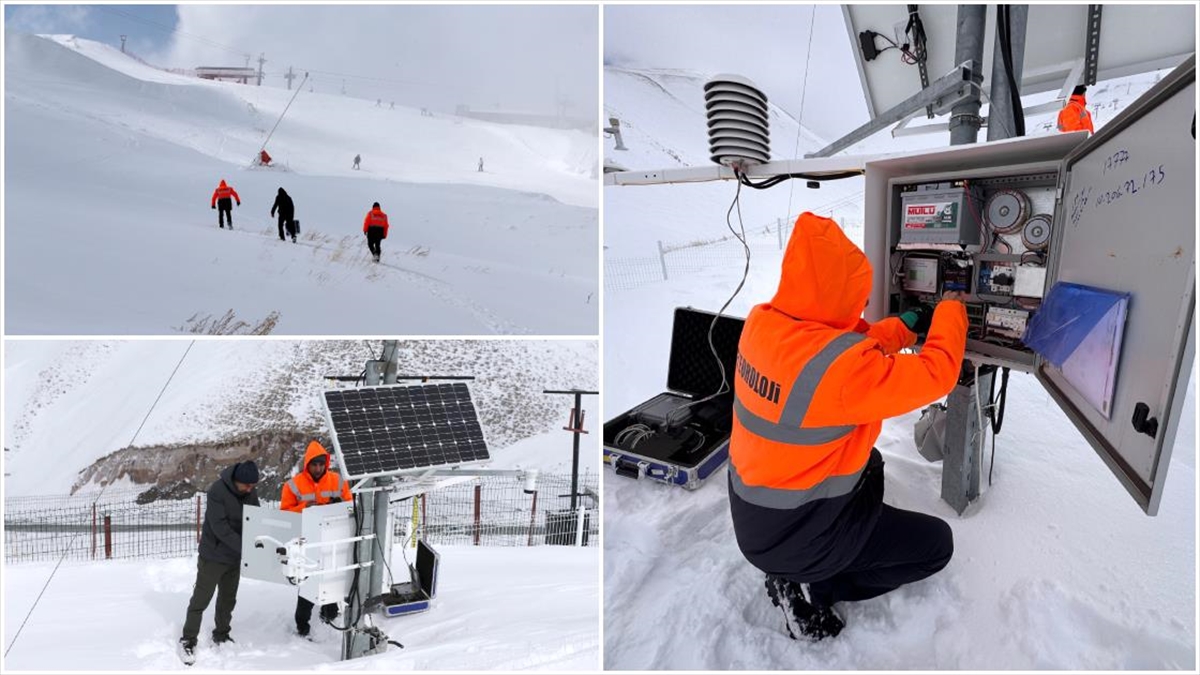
1126	220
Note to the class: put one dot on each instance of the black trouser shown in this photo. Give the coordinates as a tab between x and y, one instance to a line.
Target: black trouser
285	222
374	237
304	610
904	547
210	576
225	210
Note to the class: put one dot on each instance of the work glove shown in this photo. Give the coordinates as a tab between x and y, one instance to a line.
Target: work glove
214	207
239	203
335	500
917	318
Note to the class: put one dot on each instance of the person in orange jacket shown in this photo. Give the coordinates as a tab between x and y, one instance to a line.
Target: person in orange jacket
223	198
1075	116
813	384
314	485
375	226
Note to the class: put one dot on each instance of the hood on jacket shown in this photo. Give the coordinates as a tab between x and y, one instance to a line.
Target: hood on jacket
223	184
282	193
825	278
1078	98
315	449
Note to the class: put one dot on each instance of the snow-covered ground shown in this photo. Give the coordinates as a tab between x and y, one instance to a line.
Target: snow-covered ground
229	387
1055	566
496	609
109	163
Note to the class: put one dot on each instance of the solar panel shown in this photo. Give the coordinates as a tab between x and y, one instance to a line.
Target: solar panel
379	431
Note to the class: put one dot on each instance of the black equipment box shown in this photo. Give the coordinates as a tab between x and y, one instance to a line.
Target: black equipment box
677	437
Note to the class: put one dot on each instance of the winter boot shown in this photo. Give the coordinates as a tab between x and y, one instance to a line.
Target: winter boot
801	617
187	651
219	640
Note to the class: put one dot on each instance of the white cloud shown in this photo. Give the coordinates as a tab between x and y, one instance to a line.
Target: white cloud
48	18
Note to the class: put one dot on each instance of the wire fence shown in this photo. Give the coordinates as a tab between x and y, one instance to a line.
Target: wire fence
675	259
489	511
683	258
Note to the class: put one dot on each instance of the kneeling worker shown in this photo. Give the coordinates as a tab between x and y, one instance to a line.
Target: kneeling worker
805	483
314	485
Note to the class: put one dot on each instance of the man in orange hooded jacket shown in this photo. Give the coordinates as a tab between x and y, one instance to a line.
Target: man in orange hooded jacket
221	201
1075	116
375	226
315	485
813	383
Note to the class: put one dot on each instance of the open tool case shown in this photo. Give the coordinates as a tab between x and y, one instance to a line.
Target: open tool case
676	437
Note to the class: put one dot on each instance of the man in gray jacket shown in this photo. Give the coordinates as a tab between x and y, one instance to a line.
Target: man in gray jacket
220	561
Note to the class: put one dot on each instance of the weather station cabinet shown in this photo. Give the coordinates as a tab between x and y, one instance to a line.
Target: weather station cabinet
1097	235
312	549
681	436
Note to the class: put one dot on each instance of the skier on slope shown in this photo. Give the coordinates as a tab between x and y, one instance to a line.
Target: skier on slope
375	226
222	197
287	212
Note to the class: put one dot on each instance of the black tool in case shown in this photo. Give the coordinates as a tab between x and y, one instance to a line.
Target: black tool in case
675	438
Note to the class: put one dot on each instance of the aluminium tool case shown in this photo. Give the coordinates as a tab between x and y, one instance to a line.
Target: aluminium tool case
676	437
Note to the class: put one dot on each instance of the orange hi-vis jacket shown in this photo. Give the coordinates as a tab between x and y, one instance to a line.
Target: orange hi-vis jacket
812	385
1075	116
301	490
376	218
223	191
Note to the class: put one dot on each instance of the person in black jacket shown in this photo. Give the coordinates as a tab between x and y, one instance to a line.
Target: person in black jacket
287	212
220	561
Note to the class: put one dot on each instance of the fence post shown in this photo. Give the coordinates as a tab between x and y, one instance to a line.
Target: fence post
662	259
532	518
197	520
478	500
107	537
93	531
779	231
580	514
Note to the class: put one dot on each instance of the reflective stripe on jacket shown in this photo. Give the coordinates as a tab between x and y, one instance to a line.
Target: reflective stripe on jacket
301	491
1075	116
812	386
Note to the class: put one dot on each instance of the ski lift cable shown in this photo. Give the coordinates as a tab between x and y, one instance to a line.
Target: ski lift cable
71	544
812	26
169	29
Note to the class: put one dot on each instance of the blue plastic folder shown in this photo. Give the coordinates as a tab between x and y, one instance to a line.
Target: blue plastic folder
1079	330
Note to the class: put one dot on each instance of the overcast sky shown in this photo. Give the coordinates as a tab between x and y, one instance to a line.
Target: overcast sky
767	43
517	57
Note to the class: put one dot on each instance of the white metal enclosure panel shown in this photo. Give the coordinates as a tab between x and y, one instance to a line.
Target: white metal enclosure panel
1127	223
262	563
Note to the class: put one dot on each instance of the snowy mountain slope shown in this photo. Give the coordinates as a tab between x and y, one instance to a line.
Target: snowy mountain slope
107	175
225	389
543	616
1055	566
